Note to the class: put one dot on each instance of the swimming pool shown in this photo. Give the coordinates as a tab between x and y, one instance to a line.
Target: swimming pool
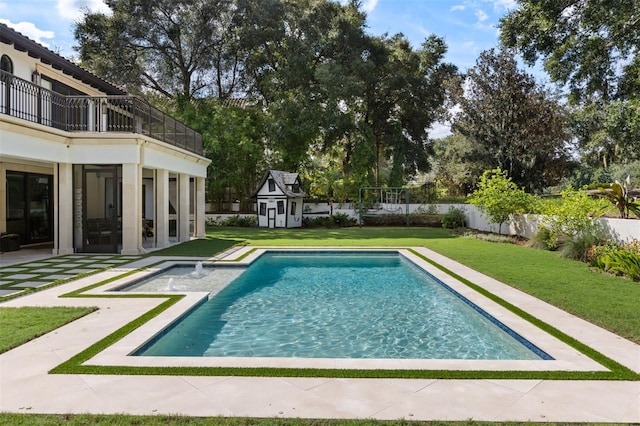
355	305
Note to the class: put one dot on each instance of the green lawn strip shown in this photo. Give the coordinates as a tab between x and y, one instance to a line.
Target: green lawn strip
606	301
74	365
178	420
616	368
19	325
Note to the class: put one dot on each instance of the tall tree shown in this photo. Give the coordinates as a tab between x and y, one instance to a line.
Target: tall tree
232	134
403	94
178	48
592	48
457	163
515	123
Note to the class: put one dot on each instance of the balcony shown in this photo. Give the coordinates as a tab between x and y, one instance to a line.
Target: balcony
116	114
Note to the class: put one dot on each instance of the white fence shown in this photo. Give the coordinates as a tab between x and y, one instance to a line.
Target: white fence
522	225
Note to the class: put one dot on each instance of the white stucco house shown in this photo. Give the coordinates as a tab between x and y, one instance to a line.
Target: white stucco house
279	200
87	167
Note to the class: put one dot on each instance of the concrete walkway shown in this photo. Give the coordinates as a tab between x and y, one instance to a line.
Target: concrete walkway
25	386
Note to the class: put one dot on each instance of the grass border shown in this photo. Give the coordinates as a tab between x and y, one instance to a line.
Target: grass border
75	364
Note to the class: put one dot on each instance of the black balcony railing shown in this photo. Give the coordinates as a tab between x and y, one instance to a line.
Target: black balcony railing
129	114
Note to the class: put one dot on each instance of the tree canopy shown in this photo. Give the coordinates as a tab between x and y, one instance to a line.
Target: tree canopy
591	48
320	82
513	123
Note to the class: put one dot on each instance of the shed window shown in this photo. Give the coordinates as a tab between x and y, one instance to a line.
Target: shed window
263	209
6	64
281	207
293	208
272	185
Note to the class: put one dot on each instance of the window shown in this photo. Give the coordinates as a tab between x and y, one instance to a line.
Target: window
6	64
263	209
295	187
272	185
280	207
293	208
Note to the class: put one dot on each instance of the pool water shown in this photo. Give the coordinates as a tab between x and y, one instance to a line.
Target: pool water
339	305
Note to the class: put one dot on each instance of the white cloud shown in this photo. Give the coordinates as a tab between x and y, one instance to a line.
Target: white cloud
457	7
503	4
369	5
481	15
439	130
30	30
74	9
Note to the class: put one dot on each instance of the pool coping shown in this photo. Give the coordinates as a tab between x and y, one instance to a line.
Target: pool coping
565	357
27	387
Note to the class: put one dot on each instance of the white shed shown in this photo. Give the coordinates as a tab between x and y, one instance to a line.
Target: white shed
279	200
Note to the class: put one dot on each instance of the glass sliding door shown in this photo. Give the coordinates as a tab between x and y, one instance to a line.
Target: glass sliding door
101	209
29	207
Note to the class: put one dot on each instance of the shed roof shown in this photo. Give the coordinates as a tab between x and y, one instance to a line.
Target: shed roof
282	180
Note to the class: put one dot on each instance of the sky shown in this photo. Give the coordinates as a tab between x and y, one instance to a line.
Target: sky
467	26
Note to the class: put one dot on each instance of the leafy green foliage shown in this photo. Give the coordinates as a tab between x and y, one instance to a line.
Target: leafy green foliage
513	123
591	48
616	259
498	197
176	48
571	219
454	218
458	163
618	195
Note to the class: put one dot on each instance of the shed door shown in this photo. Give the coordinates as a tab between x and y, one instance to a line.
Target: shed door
271	218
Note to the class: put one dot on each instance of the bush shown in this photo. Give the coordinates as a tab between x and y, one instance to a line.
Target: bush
544	239
623	260
454	218
385	220
578	247
343	220
240	221
337	220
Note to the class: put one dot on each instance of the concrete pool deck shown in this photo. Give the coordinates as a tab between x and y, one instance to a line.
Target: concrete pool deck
25	386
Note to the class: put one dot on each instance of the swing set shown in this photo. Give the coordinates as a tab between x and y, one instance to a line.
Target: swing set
379	200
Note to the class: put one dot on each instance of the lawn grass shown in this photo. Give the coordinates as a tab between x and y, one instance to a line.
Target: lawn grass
608	301
122	420
19	325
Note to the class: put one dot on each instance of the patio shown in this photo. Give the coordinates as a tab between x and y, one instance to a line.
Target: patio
25	385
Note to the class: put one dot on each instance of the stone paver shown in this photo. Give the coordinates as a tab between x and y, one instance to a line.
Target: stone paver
26	386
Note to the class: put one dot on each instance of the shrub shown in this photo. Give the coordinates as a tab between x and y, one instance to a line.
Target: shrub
578	246
623	260
454	218
343	220
240	221
498	197
571	221
337	220
385	220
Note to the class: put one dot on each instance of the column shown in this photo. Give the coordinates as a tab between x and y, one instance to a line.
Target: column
183	210
63	209
200	219
131	209
161	219
3	197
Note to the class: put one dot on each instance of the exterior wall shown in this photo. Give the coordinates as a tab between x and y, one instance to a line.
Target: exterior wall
283	220
523	225
35	148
